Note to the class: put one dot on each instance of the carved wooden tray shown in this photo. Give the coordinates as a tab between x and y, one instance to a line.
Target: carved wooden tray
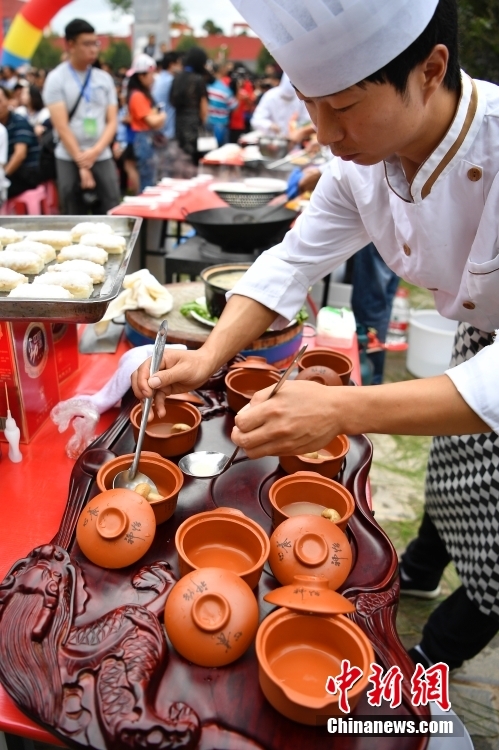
84	652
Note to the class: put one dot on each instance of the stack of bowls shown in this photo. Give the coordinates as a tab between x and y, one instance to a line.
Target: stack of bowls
211	615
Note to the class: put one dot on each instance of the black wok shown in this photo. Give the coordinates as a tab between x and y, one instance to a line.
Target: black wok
242	231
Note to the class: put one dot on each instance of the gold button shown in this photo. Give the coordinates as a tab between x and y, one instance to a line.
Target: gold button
474	174
469	305
407	250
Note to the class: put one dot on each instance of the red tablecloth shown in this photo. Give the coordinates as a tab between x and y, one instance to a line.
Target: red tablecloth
197	199
34	494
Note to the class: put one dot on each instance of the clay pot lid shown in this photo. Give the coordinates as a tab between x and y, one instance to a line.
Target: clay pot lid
310	594
116	528
320	374
211	617
253	363
310	545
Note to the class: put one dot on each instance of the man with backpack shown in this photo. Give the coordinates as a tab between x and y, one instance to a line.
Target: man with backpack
83	110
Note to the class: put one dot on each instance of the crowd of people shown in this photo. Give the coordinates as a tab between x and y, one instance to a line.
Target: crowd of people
101	133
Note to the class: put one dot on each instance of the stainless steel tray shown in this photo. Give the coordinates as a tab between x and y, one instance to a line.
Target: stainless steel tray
75	310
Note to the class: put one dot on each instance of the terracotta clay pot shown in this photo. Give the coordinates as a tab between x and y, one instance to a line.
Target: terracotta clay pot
159	438
298	652
253	363
320	374
310	545
242	384
166	476
211	617
323	357
328	463
223	538
309	487
116	528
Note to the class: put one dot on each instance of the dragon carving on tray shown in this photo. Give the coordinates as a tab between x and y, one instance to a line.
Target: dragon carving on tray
94	684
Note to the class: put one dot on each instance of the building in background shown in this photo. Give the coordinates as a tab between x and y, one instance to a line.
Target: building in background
221	48
151	17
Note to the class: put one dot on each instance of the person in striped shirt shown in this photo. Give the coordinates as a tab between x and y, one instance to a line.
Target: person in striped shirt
221	102
23	165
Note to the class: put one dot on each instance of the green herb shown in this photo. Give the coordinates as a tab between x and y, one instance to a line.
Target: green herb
200	310
302	315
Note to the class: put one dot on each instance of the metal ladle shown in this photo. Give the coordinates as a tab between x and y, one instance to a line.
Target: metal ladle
210	463
130	478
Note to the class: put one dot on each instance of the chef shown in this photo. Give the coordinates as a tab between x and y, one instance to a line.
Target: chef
417	175
276	109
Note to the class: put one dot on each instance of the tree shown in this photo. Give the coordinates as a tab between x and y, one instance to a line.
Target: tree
479	29
118	55
185	43
125	6
178	13
47	55
264	58
211	28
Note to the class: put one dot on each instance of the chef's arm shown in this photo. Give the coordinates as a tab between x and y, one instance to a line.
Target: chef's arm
430	406
242	321
304	416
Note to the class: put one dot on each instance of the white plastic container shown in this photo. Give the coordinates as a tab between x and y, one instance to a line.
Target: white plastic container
335	328
431	337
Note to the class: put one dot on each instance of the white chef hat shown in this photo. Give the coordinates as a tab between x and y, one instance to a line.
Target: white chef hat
325	46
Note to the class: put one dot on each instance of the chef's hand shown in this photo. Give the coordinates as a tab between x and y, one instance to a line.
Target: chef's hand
295	421
180	371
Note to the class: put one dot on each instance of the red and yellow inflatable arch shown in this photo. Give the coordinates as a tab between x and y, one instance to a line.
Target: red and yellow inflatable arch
26	30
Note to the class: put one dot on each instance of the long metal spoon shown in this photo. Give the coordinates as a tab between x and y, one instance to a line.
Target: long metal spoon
130	478
210	463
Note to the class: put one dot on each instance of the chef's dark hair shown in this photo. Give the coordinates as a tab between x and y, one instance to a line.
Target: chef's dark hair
442	29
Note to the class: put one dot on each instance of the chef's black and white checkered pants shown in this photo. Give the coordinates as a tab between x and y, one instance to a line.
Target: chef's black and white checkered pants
462	495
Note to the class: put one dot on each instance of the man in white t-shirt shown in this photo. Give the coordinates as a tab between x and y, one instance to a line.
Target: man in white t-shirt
86	171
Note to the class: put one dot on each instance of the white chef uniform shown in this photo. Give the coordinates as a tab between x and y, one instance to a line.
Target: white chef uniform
276	107
441	232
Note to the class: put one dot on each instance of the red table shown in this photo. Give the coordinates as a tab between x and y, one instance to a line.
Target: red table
38	490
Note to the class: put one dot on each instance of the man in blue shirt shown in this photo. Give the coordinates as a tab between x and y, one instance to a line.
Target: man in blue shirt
170	64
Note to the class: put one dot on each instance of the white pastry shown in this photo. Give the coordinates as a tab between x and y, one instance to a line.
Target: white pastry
52	237
9	235
94	270
78	283
9	279
83	252
23	262
41	291
46	252
113	243
89	227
